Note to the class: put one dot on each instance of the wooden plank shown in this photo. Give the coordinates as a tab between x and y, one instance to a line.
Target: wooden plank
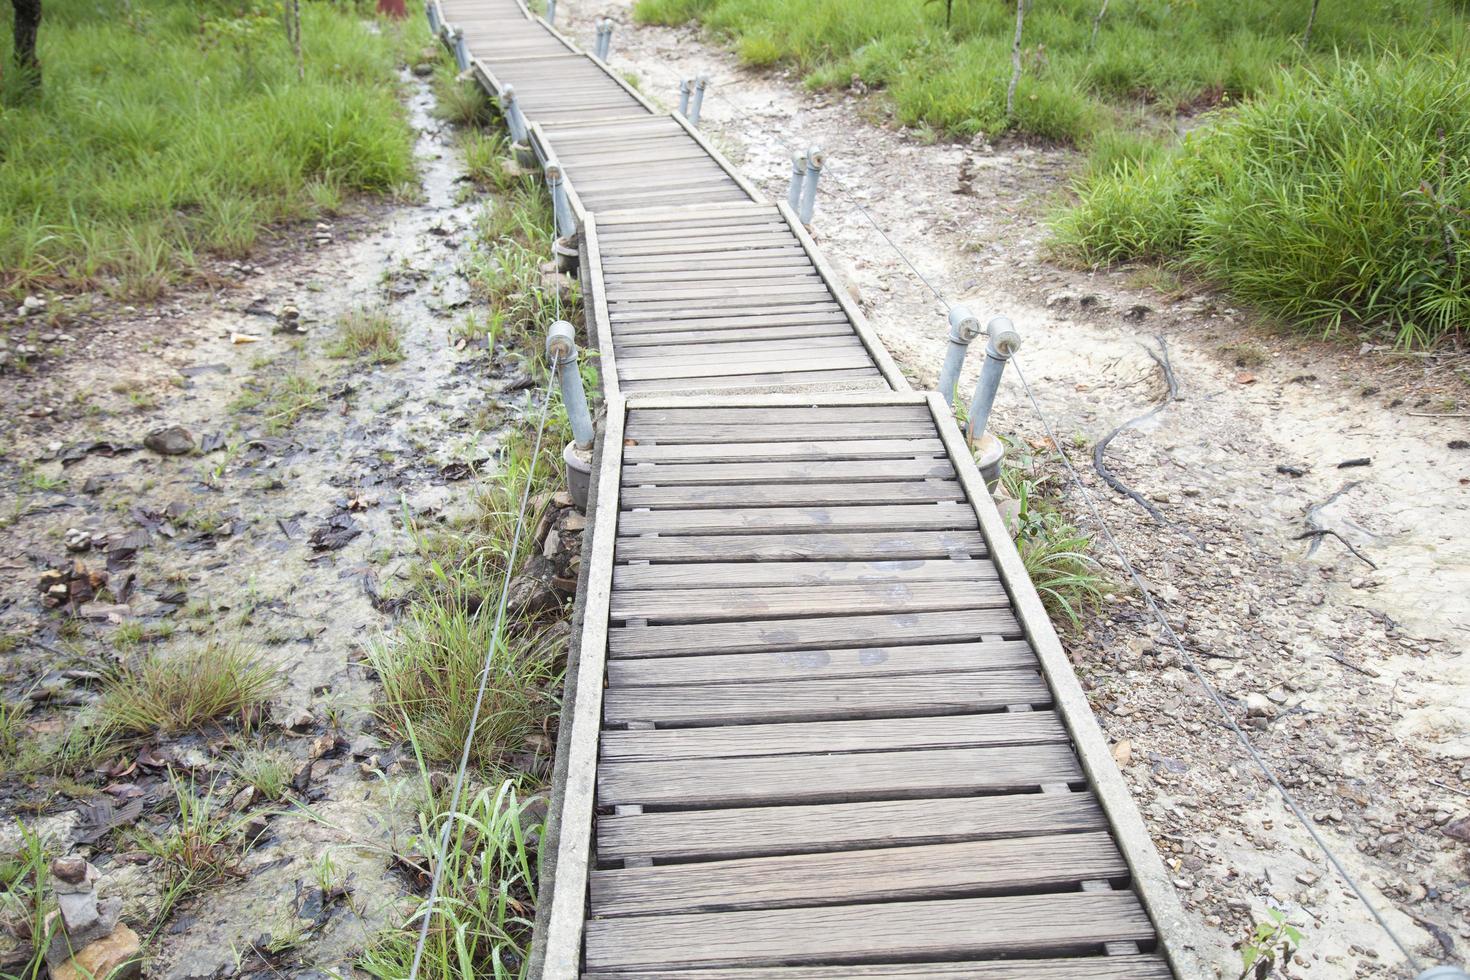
755	574
968	868
866	377
812	828
890	546
1149	875
797	495
737	315
786	289
874	662
666	433
733	349
831	779
563	935
709	605
829	411
885	931
1141	967
812	632
855	447
943	516
775	363
823	699
788	471
631	342
864	735
750	320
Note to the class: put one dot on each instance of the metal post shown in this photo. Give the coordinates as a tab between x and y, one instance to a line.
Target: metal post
551	11
684	86
1004	341
461	52
513	118
1444	973
814	159
604	38
432	9
963	328
699	86
561	351
566	222
798	177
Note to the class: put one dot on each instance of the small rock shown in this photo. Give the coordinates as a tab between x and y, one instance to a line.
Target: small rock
300	720
115	957
172	441
1257	705
1459	830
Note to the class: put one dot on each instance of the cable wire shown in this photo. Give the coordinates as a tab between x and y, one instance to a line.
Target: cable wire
495	633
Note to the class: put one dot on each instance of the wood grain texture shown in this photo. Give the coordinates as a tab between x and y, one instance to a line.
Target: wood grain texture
957	870
940	516
948	928
831	779
870	662
795	547
1072	968
732	475
811	633
803	738
803	449
709	605
821	699
748	574
813	828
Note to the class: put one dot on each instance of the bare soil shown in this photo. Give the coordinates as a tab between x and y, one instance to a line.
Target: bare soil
282	531
1361	674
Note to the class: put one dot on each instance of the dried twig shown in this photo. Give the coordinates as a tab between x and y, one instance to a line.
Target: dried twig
1099	463
1317	533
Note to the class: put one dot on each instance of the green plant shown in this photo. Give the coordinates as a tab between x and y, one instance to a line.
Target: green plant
268	770
206	683
1341	197
203	847
1056	554
481	924
368	333
1269	944
26	899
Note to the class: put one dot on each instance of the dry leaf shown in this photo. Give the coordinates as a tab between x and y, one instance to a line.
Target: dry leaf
1123	752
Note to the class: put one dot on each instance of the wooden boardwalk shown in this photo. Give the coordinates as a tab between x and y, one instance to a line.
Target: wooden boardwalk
818	724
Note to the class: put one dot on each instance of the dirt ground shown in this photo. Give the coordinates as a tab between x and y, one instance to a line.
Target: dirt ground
283	533
1357	677
1353	680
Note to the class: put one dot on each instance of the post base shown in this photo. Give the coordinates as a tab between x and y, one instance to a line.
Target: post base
579	474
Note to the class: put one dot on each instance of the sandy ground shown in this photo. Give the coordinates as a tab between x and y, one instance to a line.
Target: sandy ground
1359	675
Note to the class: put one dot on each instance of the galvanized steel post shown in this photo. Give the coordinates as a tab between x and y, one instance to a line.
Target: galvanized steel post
432	9
561	351
566	222
603	46
699	86
1444	973
1004	341
798	177
814	159
551	11
461	52
513	118
963	328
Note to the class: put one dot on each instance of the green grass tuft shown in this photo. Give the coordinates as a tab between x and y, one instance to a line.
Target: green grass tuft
182	129
1333	199
371	334
185	691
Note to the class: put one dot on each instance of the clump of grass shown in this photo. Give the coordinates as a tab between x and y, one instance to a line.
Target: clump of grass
1057	555
372	334
25	897
1169	57
180	130
280	402
1337	198
202	848
268	770
185	691
482	920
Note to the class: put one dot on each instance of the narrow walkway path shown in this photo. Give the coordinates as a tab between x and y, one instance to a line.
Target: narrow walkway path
819	724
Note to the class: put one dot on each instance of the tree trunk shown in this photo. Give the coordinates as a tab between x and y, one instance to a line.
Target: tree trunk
27	24
1015	59
1311	20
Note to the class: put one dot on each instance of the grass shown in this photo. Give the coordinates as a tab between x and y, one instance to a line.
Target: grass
1149	59
26	899
368	333
1335	199
269	771
485	912
279	401
185	691
202	848
169	131
1057	555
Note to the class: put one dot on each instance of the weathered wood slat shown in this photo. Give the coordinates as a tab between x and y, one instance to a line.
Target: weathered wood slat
811	633
943	516
1140	967
850	448
780	362
888	546
824	699
631	343
785	415
831	779
797	494
866	662
888	874
709	605
793	471
812	828
810	737
721	347
752	574
777	381
888	931
666	433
